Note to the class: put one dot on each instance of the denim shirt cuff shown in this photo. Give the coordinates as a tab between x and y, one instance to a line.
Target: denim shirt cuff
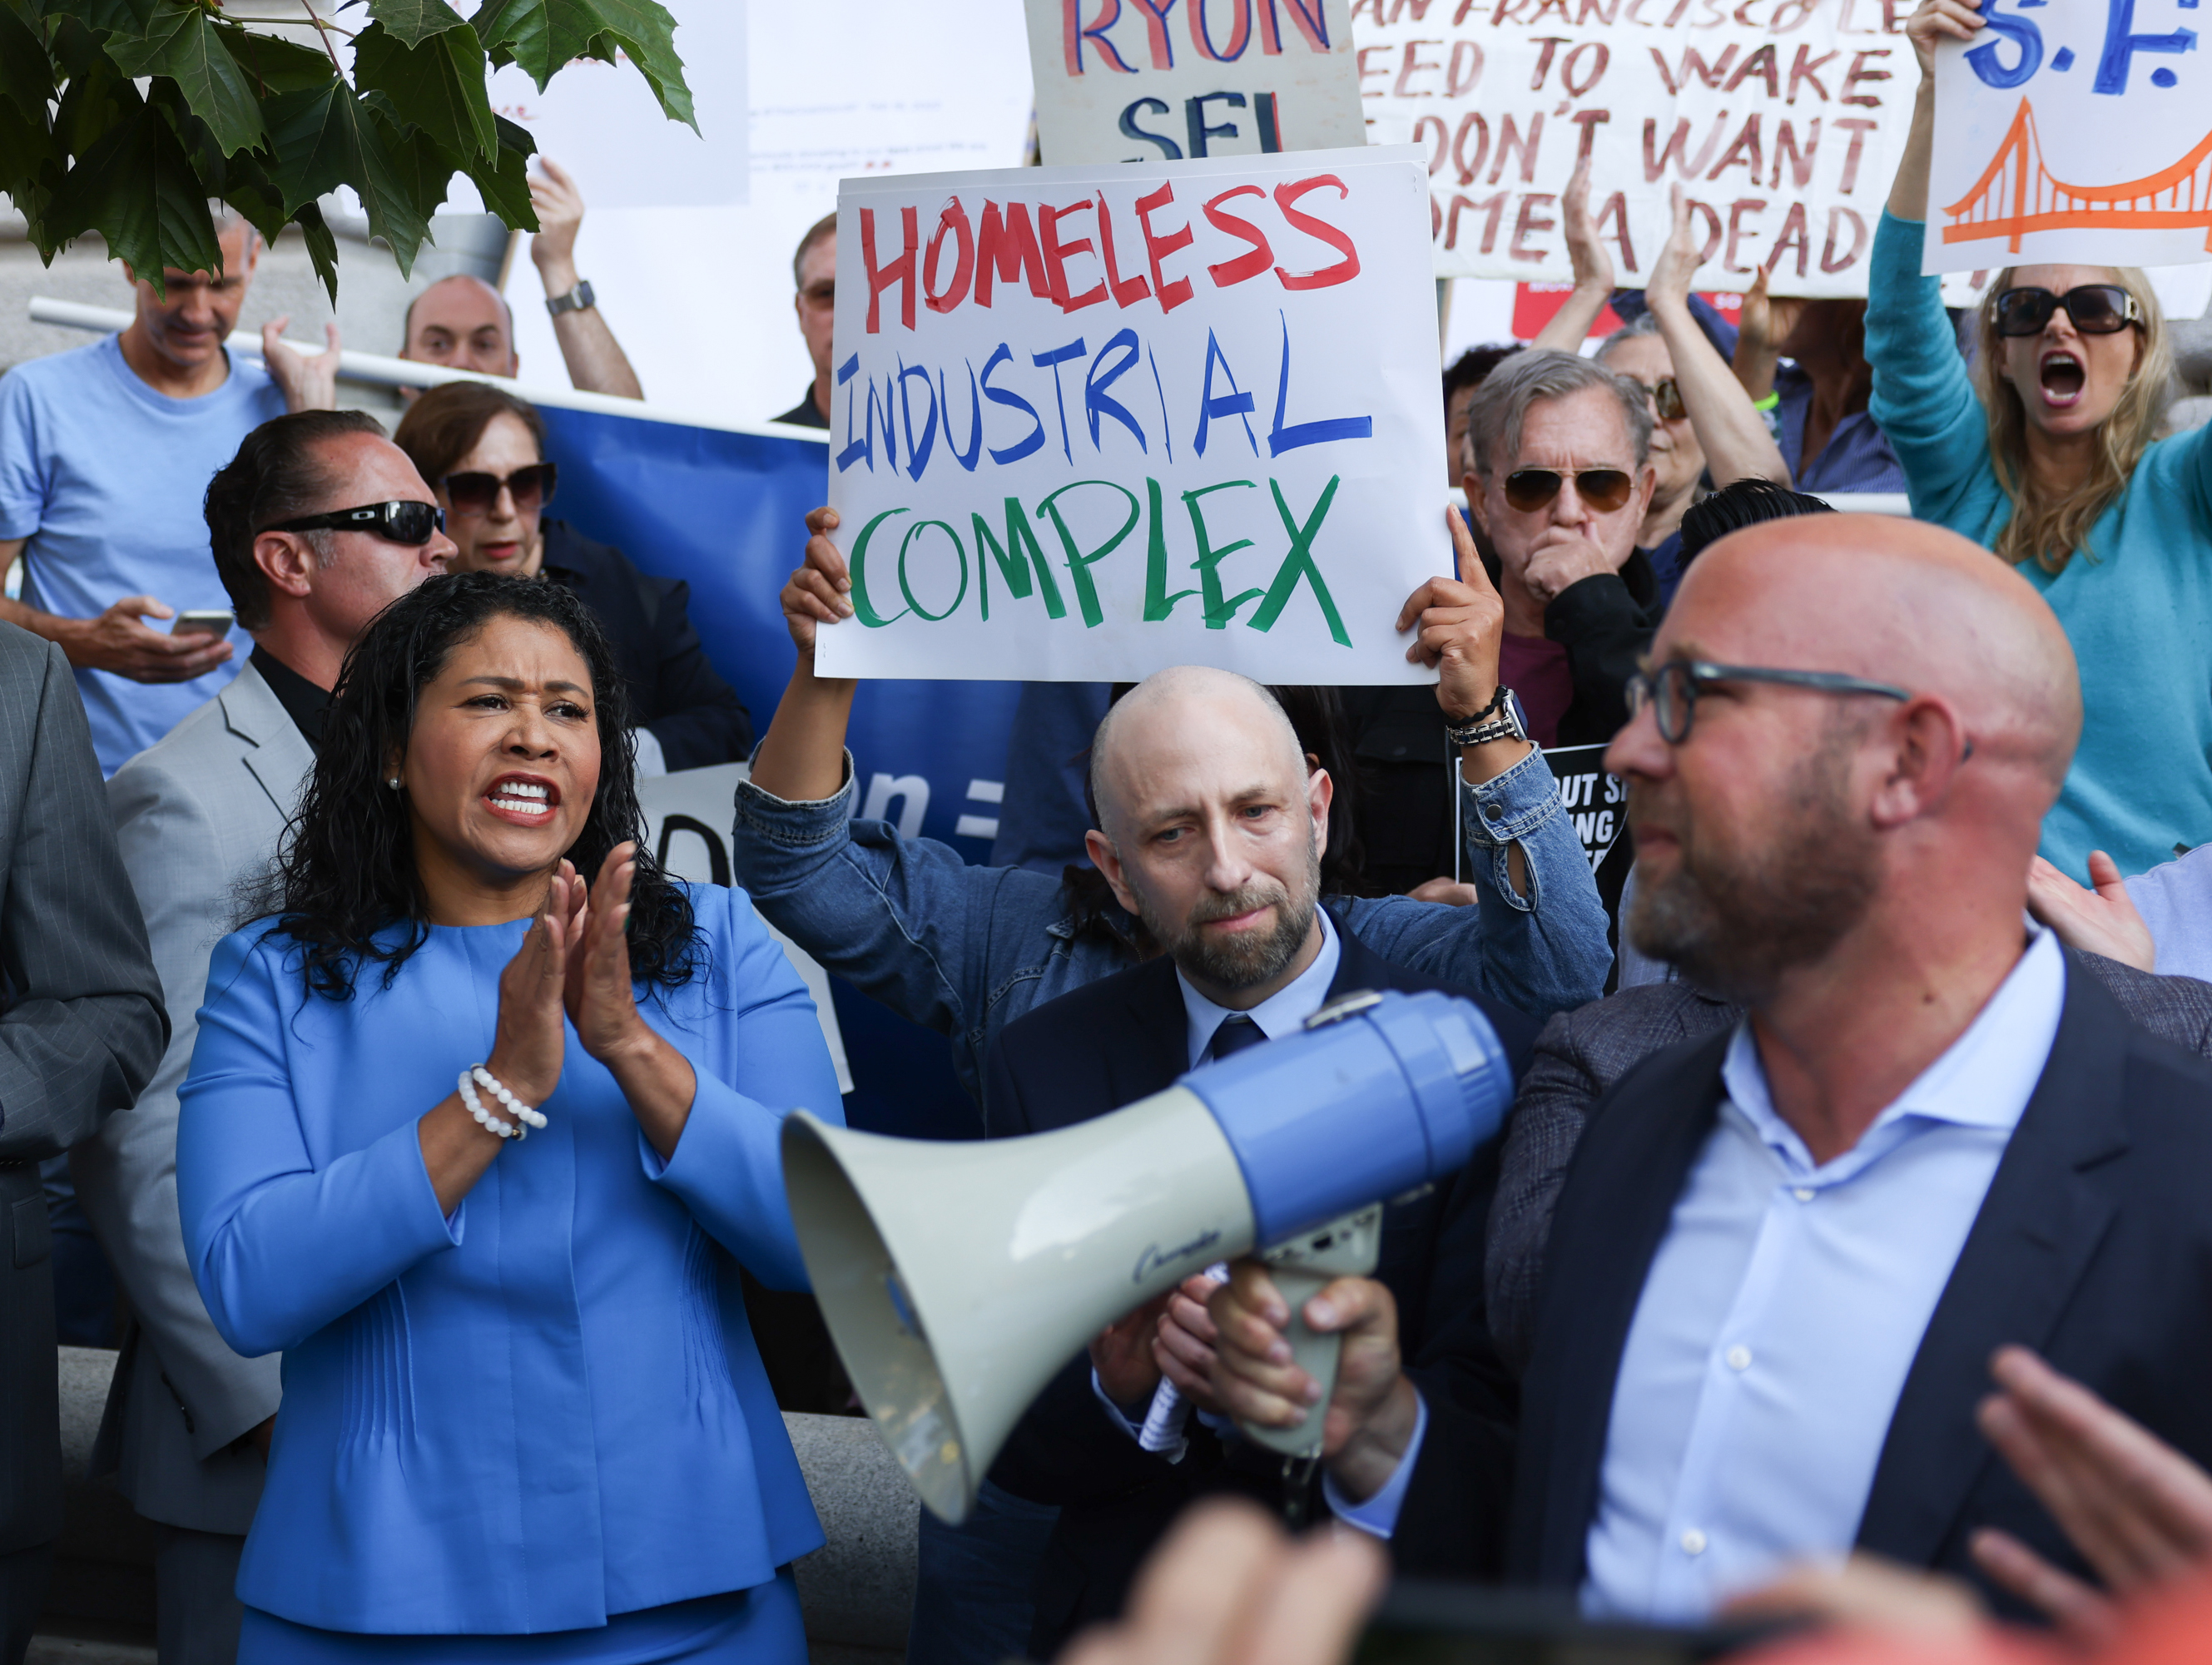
1510	807
801	823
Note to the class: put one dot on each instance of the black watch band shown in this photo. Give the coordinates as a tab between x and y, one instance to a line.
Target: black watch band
1501	719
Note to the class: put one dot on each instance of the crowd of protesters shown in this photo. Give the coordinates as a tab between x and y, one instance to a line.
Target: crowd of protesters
1843	1258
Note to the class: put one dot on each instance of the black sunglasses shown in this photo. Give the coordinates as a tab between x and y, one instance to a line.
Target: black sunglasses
1671	689
2095	309
1604	489
395	522
476	494
1665	396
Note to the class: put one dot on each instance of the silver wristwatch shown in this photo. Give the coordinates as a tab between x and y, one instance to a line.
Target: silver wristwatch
574	301
1503	719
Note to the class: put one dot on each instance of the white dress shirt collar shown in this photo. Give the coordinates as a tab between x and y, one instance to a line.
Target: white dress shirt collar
1284	1013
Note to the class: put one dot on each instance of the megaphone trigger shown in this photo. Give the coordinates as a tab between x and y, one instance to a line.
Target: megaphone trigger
1301	1269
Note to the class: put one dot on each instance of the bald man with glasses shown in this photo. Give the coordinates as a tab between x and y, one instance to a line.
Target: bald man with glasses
1883	1128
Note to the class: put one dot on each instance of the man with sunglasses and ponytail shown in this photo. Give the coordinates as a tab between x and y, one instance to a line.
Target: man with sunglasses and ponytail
317	526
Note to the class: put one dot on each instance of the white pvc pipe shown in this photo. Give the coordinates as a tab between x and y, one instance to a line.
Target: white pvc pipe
405	372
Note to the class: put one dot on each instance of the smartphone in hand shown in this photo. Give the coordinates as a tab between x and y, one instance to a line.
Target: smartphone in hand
212	622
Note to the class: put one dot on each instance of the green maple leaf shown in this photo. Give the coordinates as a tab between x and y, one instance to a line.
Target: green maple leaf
138	190
26	75
544	36
414	21
186	44
323	139
273	64
438	86
322	246
504	181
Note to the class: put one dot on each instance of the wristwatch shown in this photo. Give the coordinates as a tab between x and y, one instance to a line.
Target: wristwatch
574	301
1503	719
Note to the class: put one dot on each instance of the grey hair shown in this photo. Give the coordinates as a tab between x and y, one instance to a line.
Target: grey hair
1642	325
1501	404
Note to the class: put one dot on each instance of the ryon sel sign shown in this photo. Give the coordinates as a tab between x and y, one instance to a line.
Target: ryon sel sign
1089	422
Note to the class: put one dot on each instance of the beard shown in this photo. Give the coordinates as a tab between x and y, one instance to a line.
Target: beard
1733	919
1251	957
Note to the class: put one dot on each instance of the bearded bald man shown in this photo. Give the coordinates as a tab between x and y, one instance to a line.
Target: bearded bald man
1786	1251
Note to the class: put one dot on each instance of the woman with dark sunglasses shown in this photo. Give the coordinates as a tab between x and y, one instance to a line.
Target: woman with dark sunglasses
483	450
2048	453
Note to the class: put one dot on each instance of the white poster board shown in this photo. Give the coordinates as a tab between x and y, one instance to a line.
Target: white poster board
1090	422
1146	83
2080	132
1781	119
686	823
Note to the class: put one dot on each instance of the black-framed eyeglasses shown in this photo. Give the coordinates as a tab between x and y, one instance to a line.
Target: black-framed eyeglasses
473	493
1671	689
2095	309
1604	489
406	523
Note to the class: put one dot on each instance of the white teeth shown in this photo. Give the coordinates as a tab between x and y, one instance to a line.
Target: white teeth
522	806
523	789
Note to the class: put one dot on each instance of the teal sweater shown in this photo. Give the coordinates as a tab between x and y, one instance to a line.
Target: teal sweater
2136	601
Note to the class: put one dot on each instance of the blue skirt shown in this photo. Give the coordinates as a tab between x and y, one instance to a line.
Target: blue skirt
757	1626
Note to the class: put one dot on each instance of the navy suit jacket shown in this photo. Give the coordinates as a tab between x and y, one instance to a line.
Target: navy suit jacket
2093	1247
1096	1049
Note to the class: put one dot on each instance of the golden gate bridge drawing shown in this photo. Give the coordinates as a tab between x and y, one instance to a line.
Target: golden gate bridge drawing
2017	194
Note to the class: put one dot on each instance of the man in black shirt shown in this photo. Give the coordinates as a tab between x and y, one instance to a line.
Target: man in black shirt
198	815
814	275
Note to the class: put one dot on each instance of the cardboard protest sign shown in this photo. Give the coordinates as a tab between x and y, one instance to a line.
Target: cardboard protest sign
2080	132
687	825
1781	119
1136	82
1089	423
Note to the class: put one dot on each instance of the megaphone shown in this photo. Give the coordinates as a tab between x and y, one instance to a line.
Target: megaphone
957	1278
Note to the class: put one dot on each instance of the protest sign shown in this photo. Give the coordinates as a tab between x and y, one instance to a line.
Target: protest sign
1227	78
1597	804
1781	119
687	826
1089	422
2080	131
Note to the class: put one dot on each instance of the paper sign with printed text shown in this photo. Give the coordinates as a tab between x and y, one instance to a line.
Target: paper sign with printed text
2073	132
1782	120
1090	422
1187	79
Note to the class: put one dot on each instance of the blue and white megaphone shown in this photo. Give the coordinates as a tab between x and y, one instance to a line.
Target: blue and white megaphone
958	1279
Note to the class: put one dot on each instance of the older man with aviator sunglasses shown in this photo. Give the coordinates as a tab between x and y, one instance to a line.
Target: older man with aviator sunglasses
1559	476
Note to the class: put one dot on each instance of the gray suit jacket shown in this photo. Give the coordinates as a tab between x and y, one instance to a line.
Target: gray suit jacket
81	1029
1581	1054
196	814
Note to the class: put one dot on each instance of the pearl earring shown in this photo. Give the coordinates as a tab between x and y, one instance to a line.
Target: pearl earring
393	783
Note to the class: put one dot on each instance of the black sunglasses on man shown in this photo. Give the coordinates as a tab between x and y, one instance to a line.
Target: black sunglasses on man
407	523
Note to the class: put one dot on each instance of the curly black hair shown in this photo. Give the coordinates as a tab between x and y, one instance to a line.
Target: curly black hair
346	874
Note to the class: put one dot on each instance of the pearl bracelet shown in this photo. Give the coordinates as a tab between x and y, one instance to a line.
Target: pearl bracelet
484	1118
515	1107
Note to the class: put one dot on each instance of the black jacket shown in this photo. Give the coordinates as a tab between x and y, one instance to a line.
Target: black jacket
1406	767
2092	1246
673	691
1605	624
1093	1051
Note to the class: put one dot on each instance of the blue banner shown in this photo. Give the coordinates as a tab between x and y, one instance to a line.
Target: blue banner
724	512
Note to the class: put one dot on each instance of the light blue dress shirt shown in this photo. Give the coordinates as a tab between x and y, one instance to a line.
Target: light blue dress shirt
1781	1316
1784	1309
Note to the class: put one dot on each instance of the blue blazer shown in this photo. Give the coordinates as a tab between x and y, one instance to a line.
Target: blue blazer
546	1408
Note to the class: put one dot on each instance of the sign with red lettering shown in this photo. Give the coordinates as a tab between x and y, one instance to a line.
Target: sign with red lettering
1781	119
2077	131
1179	79
1092	422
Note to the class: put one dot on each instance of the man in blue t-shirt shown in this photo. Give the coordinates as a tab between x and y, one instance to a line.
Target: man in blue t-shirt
106	453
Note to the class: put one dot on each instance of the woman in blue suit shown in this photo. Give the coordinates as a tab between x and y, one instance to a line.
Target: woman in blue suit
523	1417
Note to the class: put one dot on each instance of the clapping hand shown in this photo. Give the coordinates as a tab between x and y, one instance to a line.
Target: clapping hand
530	1039
1586	254
1680	257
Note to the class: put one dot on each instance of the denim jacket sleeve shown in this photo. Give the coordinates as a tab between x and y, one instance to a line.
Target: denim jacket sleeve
905	921
1540	953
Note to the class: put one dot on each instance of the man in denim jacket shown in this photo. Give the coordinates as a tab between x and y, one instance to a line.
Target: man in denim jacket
966	950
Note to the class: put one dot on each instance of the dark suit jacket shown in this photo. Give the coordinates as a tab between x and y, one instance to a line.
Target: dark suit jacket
82	1027
673	691
2093	1246
1093	1051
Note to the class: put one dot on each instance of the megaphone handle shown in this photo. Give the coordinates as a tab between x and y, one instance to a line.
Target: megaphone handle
1313	1353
